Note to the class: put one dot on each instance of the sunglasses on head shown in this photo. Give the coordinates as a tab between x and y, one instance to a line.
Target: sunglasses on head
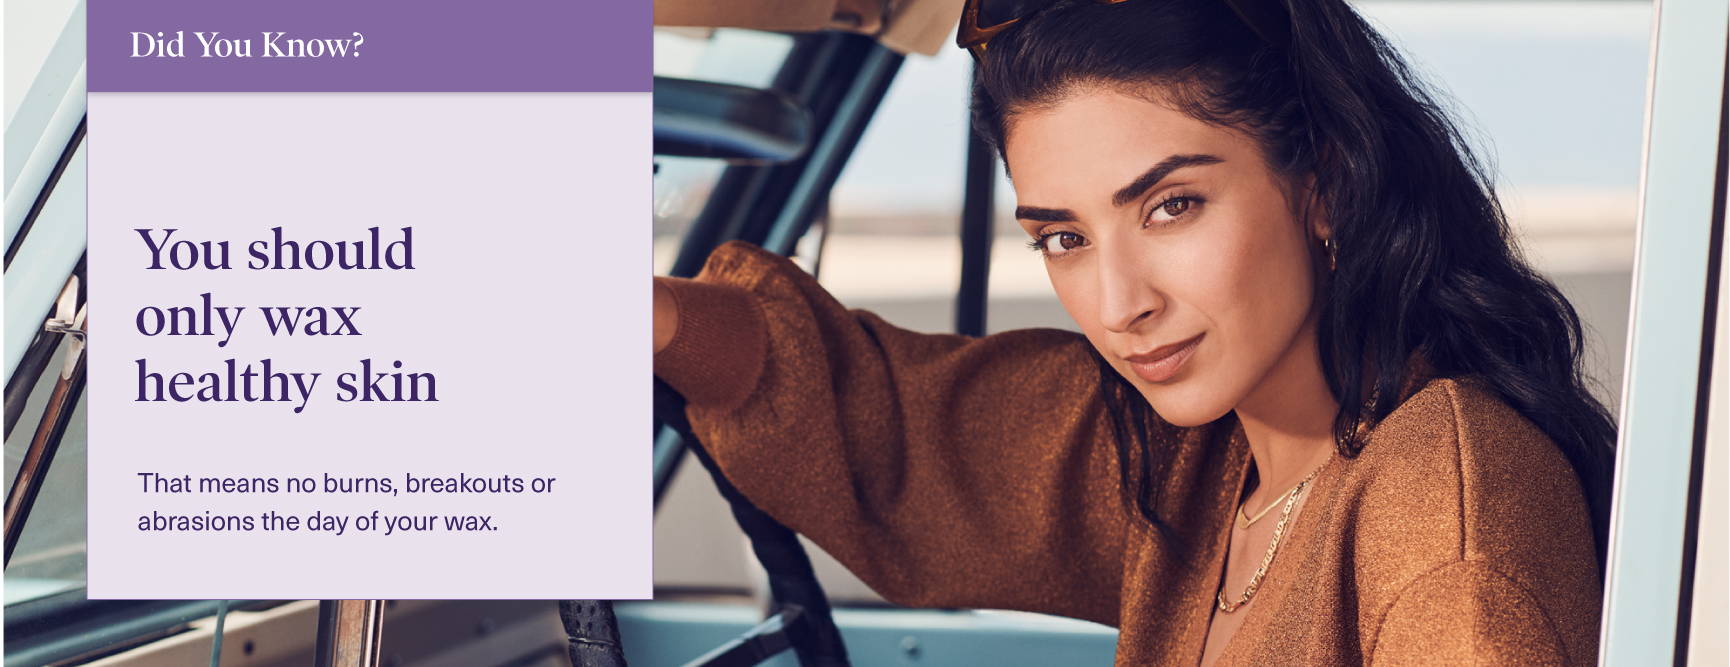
983	19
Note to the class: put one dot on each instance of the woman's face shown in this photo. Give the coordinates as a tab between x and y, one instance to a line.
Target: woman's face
1158	231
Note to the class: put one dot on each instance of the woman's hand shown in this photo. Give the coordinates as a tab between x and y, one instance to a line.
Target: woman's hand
666	316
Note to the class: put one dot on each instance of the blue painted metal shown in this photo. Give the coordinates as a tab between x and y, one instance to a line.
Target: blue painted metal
671	633
1660	386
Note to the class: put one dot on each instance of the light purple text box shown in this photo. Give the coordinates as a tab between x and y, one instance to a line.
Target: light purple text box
528	214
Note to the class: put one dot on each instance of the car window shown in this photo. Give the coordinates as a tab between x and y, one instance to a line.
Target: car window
49	556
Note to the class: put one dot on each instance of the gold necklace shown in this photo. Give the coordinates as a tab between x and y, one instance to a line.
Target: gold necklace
1244	522
1272	547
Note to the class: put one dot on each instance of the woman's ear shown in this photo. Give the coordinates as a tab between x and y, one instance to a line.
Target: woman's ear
1319	226
1312	209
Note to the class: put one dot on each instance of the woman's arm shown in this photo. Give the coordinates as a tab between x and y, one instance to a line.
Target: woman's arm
1468	613
941	469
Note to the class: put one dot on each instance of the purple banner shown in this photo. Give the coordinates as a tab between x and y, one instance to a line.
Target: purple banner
370	45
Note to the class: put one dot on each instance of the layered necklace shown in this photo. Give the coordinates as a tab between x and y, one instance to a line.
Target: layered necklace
1291	498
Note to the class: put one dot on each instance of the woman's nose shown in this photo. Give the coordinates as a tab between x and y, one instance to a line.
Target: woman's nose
1127	294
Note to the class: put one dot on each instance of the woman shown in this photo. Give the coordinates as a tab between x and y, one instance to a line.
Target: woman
1320	410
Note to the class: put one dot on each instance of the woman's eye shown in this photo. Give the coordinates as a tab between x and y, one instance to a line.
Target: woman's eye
1173	208
1057	243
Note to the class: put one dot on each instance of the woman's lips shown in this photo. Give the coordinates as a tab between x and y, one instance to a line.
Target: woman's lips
1163	363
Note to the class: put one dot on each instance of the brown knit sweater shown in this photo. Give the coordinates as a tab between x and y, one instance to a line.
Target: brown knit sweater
949	471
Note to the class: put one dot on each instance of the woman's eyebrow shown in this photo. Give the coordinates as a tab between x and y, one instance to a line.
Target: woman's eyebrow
1037	214
1128	193
1158	172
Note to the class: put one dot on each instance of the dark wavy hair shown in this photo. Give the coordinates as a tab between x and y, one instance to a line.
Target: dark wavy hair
1425	257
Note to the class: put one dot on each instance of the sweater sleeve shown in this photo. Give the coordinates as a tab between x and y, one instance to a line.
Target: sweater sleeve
1467	613
943	470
